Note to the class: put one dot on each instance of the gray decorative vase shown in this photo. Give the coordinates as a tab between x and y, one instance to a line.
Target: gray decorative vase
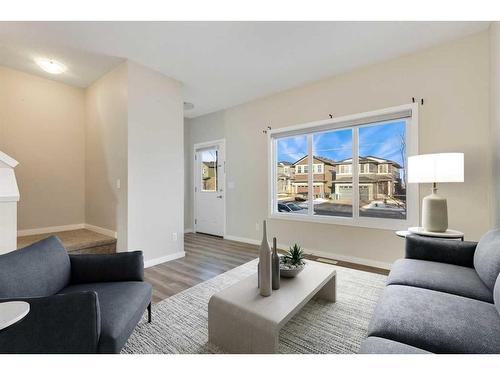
264	270
276	266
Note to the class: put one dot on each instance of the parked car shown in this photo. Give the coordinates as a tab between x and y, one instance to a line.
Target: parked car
291	207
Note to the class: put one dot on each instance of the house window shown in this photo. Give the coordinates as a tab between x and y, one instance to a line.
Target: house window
318	168
302	169
383	144
383	168
345	169
332	145
209	159
291	191
358	170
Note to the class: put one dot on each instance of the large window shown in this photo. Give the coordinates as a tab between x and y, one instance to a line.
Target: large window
350	170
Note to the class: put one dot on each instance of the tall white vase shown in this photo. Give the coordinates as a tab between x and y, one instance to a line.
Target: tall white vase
265	270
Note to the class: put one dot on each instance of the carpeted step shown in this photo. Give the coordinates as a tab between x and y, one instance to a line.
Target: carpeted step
80	241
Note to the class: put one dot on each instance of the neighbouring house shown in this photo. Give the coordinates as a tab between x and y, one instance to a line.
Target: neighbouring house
209	176
285	173
378	179
323	169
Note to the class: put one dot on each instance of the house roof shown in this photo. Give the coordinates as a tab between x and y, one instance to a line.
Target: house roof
320	158
369	158
285	162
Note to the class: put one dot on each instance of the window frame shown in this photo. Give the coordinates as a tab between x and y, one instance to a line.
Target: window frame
354	121
200	176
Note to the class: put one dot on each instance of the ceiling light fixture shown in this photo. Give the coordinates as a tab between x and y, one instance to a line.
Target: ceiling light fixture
51	66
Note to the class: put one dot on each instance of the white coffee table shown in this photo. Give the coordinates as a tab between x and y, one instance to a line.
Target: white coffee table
240	320
12	312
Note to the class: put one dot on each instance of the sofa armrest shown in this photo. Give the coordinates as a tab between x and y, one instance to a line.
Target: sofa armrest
97	268
62	323
460	253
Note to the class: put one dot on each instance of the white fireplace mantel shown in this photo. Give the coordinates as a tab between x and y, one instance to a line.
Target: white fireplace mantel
9	196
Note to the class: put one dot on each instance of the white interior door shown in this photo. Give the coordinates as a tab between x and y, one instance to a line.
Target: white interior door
209	178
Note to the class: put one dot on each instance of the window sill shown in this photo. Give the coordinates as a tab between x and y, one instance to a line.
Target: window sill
362	222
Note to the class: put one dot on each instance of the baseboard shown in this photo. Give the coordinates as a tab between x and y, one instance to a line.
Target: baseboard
345	258
350	259
242	239
188	230
166	258
61	228
104	231
64	228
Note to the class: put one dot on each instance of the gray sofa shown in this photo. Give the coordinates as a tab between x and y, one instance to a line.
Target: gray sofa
78	303
444	297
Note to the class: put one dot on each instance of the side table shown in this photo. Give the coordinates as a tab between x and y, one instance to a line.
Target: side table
450	234
12	312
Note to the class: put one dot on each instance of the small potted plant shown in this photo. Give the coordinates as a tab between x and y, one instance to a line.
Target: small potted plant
292	263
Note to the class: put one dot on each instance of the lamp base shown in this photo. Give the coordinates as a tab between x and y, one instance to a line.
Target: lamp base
434	213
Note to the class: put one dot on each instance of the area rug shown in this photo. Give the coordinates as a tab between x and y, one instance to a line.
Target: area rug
180	323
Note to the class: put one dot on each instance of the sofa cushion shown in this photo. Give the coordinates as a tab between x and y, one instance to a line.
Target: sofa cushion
99	268
435	321
378	345
38	270
460	253
487	258
443	277
122	305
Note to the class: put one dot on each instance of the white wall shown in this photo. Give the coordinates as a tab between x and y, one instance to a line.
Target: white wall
134	134
74	145
42	125
495	116
155	164
205	128
454	81
188	217
106	113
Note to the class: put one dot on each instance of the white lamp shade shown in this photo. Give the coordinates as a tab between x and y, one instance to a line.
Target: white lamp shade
429	168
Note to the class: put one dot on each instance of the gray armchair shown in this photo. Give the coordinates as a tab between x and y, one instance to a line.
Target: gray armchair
78	303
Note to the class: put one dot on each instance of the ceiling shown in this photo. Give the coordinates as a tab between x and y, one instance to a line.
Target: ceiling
221	64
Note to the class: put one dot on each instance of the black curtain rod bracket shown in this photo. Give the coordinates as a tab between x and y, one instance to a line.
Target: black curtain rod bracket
421	100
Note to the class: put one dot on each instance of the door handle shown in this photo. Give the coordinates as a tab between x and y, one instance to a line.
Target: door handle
219	196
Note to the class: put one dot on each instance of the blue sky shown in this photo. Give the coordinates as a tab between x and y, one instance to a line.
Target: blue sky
382	140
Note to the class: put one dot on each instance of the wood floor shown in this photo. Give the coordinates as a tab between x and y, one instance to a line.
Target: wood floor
206	257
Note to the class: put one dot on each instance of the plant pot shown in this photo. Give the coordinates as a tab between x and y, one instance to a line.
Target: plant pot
288	271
